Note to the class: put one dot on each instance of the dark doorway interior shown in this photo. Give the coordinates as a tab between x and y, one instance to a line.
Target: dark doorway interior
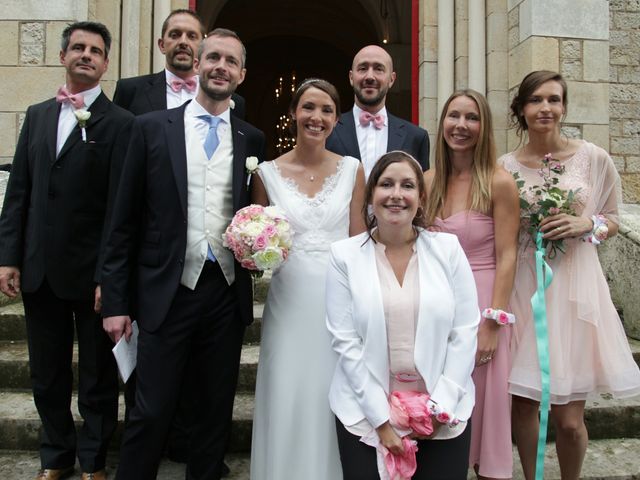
301	38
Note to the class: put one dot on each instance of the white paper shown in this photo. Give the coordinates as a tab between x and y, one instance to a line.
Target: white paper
125	353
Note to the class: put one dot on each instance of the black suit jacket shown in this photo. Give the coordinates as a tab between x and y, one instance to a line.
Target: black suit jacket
148	239
148	93
403	136
56	208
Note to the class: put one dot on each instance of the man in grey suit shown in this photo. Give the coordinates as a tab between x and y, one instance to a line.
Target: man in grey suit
369	131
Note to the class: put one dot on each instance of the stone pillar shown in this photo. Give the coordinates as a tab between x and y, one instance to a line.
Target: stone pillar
624	91
428	58
497	71
571	38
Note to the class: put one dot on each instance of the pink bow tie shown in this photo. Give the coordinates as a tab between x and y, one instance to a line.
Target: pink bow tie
189	85
63	96
366	118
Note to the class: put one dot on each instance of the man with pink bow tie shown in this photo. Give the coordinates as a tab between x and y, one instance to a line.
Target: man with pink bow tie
63	180
182	32
369	131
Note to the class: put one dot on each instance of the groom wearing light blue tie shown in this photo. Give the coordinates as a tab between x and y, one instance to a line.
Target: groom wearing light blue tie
183	180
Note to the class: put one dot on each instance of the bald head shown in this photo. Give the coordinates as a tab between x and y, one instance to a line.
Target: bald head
371	77
373	53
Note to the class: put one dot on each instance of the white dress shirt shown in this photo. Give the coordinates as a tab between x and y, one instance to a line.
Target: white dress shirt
371	141
67	120
175	99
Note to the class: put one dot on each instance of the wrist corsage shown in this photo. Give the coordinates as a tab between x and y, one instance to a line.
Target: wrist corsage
599	232
500	316
251	164
441	415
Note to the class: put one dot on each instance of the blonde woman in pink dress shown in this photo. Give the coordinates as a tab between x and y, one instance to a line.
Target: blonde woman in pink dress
588	349
473	198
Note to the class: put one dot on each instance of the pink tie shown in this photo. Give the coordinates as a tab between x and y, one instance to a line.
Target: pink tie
189	85
366	118
76	100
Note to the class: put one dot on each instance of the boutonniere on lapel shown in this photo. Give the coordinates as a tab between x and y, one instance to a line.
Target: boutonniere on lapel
251	164
83	116
232	104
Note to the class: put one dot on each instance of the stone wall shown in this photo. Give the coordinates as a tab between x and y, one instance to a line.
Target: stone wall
624	78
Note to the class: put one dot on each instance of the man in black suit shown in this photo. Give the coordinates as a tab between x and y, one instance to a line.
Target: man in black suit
182	32
183	179
63	180
369	131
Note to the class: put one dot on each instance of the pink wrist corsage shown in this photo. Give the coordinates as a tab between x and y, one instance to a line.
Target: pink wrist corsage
441	415
599	232
500	316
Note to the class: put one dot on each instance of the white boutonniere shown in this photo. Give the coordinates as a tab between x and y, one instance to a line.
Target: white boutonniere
82	116
232	104
251	164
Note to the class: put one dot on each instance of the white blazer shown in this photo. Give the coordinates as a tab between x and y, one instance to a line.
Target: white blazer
446	332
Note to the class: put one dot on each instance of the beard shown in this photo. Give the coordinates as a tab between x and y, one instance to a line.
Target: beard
180	65
217	94
371	101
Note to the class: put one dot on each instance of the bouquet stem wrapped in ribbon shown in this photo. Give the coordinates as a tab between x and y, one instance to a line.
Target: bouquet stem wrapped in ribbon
259	237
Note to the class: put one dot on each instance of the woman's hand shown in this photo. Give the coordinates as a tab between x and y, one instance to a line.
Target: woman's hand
390	439
487	341
563	225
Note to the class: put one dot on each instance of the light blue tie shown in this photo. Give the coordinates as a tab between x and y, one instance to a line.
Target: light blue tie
210	145
212	141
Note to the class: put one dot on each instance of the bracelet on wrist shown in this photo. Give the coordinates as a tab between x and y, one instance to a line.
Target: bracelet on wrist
500	316
441	415
599	232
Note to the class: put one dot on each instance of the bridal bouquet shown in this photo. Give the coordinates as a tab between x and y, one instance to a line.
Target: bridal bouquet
548	200
259	237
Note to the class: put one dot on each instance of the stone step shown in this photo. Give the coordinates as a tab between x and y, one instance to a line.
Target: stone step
20	423
606	418
605	460
13	328
14	366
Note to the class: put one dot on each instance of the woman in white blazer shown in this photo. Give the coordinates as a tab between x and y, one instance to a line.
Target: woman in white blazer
403	314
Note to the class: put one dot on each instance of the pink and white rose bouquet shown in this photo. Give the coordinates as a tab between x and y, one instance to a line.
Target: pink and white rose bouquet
259	237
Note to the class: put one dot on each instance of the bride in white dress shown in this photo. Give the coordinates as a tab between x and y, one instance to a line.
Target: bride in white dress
321	193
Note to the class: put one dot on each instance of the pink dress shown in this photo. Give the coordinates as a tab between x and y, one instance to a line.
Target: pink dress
588	348
491	420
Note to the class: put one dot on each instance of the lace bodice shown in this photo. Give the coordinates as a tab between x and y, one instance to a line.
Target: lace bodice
320	220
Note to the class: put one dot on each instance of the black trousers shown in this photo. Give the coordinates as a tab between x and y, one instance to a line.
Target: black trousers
436	459
202	331
51	322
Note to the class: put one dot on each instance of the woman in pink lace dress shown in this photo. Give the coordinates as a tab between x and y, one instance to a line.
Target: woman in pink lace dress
473	198
588	349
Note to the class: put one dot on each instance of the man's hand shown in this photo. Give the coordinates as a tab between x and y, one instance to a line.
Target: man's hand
10	281
117	326
97	303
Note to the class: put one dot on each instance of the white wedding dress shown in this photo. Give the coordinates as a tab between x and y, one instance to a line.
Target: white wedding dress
294	434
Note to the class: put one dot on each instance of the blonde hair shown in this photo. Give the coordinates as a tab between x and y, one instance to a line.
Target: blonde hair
482	169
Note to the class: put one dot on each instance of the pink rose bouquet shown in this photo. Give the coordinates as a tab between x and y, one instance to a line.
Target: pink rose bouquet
259	237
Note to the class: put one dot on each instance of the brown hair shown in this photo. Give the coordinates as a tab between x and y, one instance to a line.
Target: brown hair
529	85
182	11
224	33
320	84
395	156
484	160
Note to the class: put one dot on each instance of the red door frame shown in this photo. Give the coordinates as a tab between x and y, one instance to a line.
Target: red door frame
415	59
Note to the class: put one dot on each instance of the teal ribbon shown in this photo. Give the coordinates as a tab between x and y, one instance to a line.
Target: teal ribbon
544	275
